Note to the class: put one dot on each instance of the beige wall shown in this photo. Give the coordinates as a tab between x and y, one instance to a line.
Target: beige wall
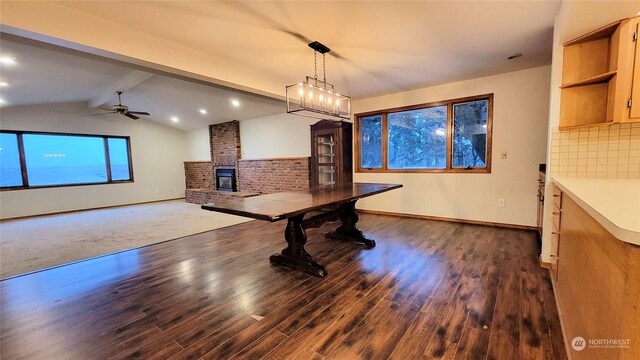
281	135
573	19
521	103
198	145
275	136
157	155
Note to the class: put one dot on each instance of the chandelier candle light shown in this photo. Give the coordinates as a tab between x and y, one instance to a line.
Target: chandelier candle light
317	98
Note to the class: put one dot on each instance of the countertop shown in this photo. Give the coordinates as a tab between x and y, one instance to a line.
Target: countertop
614	203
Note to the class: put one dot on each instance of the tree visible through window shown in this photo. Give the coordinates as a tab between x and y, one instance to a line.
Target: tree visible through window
371	142
48	159
418	139
470	134
452	135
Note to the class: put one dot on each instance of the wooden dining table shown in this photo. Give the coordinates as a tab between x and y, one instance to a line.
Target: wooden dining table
304	209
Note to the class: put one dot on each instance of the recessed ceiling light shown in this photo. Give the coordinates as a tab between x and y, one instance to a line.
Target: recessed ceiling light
203	111
175	119
235	102
514	56
4	83
7	60
2	101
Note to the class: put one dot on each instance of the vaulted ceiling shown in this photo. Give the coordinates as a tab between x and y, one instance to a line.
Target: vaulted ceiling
378	47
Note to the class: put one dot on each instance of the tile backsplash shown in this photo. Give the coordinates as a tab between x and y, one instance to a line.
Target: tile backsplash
598	152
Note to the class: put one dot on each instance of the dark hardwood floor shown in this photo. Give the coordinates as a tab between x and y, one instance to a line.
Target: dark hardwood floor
428	290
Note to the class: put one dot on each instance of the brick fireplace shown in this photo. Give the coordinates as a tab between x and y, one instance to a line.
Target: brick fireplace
253	176
226	180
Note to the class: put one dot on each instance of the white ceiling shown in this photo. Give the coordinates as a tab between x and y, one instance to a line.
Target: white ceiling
378	47
46	74
381	46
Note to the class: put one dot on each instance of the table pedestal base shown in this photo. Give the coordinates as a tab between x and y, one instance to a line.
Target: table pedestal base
296	256
310	267
347	230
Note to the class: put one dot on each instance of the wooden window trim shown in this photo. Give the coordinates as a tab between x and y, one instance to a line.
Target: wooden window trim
449	164
23	163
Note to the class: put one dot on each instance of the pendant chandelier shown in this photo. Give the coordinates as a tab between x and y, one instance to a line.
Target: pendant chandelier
317	98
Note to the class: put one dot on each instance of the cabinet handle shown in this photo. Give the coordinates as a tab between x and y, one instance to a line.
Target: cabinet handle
555	213
555	233
556	195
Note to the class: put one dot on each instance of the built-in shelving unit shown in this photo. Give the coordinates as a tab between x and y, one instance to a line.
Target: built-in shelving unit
597	76
330	153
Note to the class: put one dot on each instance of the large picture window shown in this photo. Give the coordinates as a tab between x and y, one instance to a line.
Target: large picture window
447	136
31	159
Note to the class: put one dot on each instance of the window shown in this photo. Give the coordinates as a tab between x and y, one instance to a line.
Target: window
119	159
10	173
371	141
418	138
447	136
470	134
31	159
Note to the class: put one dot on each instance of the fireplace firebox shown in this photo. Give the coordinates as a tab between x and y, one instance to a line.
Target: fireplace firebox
226	180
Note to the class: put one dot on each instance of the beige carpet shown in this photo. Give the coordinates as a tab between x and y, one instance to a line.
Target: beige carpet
41	242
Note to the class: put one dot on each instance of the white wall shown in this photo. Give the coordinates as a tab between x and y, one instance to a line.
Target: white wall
281	135
574	19
521	106
198	145
157	155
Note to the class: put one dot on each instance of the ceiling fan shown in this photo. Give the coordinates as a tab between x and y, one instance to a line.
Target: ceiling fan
123	110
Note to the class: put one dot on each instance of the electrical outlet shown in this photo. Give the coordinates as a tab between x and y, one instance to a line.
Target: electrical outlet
500	202
503	155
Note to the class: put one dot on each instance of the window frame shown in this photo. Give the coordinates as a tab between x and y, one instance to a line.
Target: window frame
449	160
105	139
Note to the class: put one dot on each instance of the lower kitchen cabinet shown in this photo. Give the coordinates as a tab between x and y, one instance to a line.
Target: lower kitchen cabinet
597	284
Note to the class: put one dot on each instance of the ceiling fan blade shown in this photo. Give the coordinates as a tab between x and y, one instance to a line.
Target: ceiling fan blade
107	109
129	115
107	113
138	112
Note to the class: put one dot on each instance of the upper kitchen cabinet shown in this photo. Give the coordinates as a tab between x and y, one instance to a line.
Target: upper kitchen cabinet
599	74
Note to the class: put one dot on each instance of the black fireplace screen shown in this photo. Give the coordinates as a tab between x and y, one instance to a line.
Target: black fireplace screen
226	180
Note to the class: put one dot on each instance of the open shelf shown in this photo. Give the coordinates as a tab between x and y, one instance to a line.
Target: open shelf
602	78
603	32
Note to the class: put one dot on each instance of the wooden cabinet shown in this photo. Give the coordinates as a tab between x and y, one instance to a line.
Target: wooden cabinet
331	153
597	285
556	220
598	76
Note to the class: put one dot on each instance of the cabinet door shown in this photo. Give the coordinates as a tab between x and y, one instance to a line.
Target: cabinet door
325	157
634	114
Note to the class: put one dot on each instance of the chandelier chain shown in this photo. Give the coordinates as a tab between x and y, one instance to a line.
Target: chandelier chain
324	68
315	65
